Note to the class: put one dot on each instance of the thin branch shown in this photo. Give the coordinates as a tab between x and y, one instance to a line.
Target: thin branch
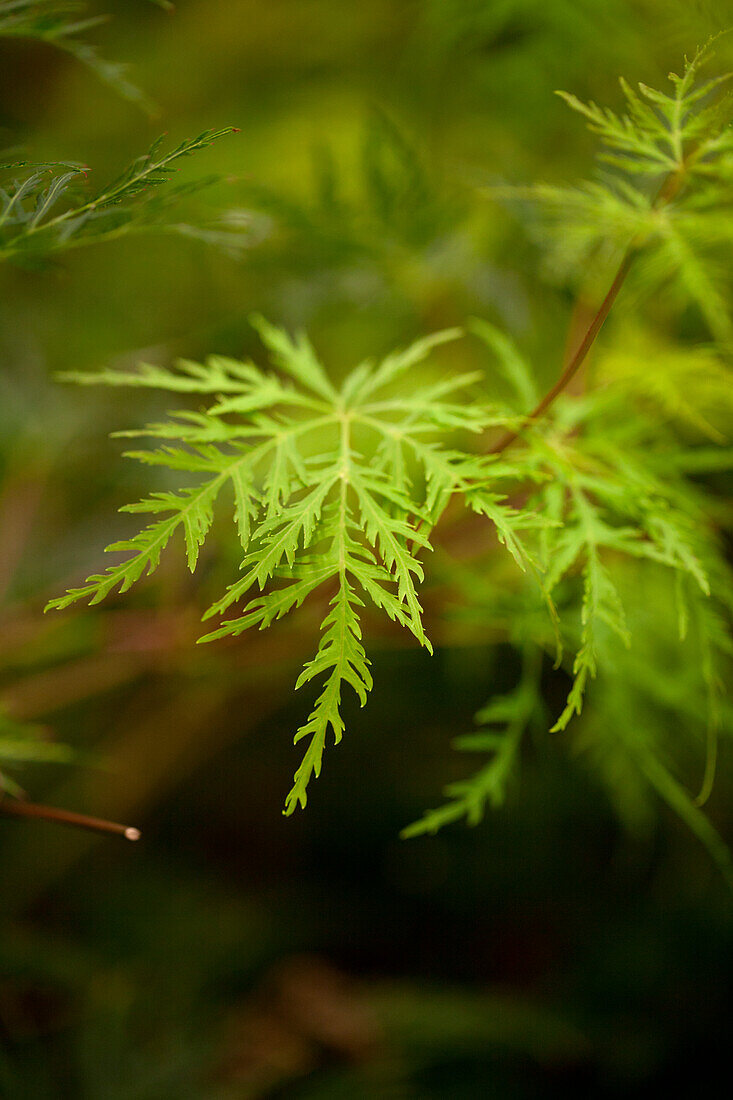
580	355
17	808
666	193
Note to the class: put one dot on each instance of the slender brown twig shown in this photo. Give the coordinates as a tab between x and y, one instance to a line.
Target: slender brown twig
666	193
18	808
580	355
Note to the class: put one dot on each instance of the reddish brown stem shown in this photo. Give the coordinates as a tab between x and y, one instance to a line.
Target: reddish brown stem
580	355
66	817
667	192
669	189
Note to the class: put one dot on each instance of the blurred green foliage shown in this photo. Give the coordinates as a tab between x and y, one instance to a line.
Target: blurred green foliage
231	953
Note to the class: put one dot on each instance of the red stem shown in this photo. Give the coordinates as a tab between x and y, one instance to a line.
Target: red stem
16	808
667	192
580	355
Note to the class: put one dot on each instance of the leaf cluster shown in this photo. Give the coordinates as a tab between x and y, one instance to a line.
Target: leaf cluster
333	489
632	557
336	491
669	191
48	209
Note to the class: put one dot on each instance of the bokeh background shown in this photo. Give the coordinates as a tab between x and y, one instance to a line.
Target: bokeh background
234	953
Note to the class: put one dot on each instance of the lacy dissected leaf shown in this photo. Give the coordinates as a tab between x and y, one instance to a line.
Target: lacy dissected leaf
609	503
634	560
652	721
47	208
669	191
332	488
656	594
658	709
